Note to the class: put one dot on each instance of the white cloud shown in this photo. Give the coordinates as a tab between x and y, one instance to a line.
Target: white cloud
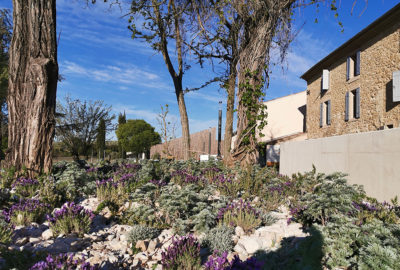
127	74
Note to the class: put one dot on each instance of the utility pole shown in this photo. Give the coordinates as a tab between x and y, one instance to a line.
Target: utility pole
219	129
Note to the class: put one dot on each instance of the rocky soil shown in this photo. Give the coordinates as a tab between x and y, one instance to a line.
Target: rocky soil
107	244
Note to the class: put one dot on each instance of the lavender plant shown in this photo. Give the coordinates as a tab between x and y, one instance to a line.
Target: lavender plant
25	187
71	218
241	214
26	211
183	253
112	190
217	262
63	261
220	262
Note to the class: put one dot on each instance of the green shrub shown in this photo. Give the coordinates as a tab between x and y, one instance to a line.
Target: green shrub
183	253
26	211
240	214
6	232
219	239
7	177
139	232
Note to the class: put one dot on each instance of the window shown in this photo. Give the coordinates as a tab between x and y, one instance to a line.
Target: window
353	65
352	105
325	80
325	113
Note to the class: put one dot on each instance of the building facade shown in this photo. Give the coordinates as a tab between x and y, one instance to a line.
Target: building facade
356	88
286	121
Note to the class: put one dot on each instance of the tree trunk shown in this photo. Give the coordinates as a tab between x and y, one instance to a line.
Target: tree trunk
33	76
184	120
230	106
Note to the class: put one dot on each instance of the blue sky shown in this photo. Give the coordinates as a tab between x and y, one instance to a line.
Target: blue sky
100	61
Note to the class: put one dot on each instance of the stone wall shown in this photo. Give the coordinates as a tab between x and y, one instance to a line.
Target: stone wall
379	58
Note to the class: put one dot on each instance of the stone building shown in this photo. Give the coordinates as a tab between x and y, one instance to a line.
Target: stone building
356	88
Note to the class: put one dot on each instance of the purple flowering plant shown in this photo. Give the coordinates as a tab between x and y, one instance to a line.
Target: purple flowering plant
26	187
114	190
71	218
226	185
183	253
210	173
26	211
63	261
183	177
216	262
241	214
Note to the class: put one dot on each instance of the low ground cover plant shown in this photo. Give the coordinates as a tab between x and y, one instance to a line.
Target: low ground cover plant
219	239
71	218
139	232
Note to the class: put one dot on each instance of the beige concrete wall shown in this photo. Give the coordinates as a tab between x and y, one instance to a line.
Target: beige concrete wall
378	59
285	116
371	159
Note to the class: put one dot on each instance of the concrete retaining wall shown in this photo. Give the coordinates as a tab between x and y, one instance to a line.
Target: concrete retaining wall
371	159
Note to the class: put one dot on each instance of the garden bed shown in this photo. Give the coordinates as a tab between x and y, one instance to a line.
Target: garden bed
191	215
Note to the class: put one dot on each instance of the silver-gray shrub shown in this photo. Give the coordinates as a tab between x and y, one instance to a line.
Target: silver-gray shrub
219	239
139	232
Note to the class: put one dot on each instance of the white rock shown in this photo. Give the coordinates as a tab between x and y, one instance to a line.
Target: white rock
239	231
34	239
152	245
47	234
250	243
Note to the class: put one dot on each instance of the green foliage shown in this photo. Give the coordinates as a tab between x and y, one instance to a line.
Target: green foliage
139	232
219	239
72	181
7	177
252	100
6	232
15	259
49	193
112	206
77	124
101	137
137	136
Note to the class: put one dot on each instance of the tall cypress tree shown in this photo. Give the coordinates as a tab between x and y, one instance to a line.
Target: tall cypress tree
121	120
101	138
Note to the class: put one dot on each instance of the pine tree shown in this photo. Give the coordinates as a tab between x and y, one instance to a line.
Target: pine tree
121	120
101	138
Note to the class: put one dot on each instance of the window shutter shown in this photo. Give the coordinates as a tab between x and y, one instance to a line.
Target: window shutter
321	115
348	69
325	80
396	86
357	63
328	112
346	110
357	103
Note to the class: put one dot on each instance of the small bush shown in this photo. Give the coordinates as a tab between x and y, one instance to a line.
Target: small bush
217	262
240	214
6	232
71	218
183	253
139	232
7	177
26	211
63	261
25	187
220	262
219	239
110	190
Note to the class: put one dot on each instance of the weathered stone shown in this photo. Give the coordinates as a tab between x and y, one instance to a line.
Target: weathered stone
22	241
239	231
47	234
143	257
250	243
142	245
152	245
241	251
34	239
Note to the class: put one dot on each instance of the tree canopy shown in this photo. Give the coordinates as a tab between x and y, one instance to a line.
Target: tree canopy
77	124
137	136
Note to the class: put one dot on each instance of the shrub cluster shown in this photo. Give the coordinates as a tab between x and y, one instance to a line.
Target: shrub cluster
219	239
25	187
241	214
71	218
139	232
26	211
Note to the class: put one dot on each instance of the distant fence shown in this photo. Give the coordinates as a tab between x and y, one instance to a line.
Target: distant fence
201	143
371	159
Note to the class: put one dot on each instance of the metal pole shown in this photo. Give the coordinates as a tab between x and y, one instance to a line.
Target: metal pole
219	129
